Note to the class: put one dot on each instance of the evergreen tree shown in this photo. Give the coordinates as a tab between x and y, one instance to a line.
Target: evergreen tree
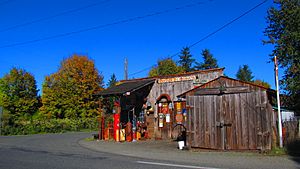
69	92
165	67
283	32
112	81
18	94
185	59
245	74
209	61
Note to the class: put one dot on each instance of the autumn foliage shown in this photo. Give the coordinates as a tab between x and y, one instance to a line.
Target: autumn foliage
69	92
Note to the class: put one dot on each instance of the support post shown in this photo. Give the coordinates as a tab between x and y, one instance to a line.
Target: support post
278	103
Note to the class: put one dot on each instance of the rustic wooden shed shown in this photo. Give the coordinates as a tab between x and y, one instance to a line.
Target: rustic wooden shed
160	95
229	114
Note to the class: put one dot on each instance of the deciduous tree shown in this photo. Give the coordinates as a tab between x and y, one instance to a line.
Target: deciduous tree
262	83
69	92
18	94
165	67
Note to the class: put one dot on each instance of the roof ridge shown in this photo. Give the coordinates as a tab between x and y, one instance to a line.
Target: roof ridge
174	75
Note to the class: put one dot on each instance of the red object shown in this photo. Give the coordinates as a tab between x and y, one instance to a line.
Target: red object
116	126
128	131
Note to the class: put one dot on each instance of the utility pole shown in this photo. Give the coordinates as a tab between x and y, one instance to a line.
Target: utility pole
278	103
126	69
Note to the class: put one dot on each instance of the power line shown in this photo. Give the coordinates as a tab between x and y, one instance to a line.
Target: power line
52	16
208	35
102	26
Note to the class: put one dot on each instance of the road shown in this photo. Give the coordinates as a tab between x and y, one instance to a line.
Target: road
50	151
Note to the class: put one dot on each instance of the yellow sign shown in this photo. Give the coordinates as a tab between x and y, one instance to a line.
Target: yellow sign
177	79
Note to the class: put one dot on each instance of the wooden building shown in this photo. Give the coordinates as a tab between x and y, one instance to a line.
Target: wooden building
154	100
229	114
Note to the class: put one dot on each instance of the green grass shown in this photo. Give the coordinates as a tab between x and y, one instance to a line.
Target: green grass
277	152
89	139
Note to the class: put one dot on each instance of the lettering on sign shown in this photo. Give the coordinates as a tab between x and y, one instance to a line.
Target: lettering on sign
177	79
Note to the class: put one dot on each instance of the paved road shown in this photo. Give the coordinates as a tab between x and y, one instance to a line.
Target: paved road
70	151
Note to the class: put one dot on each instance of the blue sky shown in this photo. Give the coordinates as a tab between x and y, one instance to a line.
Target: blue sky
142	41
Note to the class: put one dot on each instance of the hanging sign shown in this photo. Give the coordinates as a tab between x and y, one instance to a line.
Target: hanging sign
177	79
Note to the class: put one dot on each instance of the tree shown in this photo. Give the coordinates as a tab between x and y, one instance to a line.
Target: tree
262	83
69	92
18	94
209	61
185	59
165	67
112	81
283	32
244	73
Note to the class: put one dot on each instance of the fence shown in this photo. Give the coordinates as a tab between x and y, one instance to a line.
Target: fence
290	130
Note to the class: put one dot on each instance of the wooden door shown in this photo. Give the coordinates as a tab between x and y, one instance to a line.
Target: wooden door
230	121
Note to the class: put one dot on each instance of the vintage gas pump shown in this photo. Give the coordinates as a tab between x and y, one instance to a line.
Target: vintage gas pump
116	111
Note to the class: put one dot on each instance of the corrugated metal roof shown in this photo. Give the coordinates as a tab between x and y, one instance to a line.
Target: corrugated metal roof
124	87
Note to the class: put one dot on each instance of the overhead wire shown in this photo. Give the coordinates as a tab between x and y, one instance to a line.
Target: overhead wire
52	16
208	35
103	26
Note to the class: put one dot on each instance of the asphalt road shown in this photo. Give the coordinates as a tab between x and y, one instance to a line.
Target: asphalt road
52	151
64	151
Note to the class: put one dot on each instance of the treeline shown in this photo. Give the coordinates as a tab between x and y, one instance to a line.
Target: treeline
67	102
187	63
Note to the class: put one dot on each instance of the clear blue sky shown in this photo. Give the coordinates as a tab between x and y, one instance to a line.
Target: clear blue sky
142	41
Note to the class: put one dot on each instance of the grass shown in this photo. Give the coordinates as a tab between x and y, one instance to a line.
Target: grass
277	151
89	139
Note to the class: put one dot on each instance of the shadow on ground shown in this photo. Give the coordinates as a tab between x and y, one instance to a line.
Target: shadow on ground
293	149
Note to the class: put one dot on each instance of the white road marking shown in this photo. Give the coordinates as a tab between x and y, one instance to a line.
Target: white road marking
174	165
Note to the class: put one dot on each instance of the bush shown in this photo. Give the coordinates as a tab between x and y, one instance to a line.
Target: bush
35	126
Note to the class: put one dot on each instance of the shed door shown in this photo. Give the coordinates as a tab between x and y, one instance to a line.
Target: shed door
229	121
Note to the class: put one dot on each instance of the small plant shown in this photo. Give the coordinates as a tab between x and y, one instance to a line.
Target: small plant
277	151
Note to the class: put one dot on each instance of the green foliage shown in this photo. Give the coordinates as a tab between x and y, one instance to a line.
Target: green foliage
262	83
112	81
209	61
283	32
68	93
35	126
165	67
18	94
185	59
244	73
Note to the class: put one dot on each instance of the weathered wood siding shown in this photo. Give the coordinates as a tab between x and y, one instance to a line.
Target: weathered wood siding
236	120
173	89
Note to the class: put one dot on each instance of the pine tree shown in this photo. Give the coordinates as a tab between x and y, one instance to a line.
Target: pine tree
112	81
209	61
185	59
283	32
244	73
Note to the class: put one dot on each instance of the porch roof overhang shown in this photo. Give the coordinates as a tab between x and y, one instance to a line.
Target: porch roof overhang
126	86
